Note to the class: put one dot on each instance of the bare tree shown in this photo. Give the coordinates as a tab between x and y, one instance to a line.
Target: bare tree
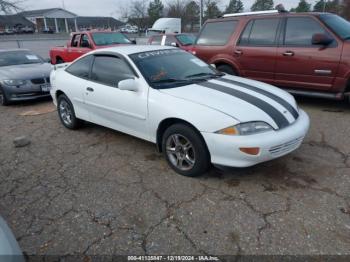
10	6
138	14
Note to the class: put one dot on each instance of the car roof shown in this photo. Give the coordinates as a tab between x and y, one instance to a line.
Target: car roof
132	49
280	14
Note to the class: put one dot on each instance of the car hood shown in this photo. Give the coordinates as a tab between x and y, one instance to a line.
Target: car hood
243	99
25	72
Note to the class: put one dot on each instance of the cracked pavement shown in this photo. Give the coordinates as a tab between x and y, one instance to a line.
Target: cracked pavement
99	192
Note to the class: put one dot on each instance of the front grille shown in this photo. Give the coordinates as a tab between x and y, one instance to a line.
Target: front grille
286	147
38	81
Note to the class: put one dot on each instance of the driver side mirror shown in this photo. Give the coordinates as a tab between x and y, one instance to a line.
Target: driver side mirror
174	44
133	41
128	85
321	39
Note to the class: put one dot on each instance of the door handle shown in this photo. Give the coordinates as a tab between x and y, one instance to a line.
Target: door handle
238	52
90	89
288	53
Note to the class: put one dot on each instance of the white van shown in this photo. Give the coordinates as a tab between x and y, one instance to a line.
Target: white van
165	26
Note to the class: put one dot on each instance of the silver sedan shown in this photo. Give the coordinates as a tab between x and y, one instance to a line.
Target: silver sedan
23	76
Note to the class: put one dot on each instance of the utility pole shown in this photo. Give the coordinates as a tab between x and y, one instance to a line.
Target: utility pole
200	13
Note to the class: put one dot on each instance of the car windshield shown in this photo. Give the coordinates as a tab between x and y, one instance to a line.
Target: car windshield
11	58
169	68
102	39
338	24
185	39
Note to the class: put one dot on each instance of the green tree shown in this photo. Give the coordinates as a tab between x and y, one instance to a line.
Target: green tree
155	10
261	5
234	6
211	9
303	7
319	6
333	6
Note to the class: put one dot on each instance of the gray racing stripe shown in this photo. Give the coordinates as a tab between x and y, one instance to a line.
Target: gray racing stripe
276	115
278	99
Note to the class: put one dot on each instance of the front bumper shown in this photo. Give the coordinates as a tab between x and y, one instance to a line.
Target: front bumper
24	93
224	150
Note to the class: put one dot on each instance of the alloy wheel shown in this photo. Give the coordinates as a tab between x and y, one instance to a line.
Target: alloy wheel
66	112
180	152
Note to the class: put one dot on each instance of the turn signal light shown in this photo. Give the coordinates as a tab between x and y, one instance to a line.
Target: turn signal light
229	131
250	150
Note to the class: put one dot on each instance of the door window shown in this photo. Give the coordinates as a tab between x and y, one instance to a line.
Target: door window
81	68
217	33
75	40
260	32
299	31
84	43
110	70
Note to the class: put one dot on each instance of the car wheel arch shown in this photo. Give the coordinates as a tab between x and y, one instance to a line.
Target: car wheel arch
58	93
234	67
165	123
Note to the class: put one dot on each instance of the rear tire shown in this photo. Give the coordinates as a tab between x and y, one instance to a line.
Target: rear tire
3	99
227	69
66	113
185	150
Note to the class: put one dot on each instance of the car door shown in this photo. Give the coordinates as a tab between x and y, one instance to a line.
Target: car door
74	49
214	41
302	65
109	106
77	74
256	49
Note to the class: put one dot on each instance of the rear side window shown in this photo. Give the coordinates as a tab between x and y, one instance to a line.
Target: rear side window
217	33
299	31
260	32
156	40
110	70
81	68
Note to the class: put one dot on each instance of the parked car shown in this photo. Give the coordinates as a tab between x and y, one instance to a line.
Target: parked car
9	31
305	53
23	76
194	114
9	248
84	42
48	31
183	41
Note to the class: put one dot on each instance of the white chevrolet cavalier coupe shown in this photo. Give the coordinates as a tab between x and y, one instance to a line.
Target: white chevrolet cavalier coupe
194	114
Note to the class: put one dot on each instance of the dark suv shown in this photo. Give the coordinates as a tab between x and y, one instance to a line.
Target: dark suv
306	53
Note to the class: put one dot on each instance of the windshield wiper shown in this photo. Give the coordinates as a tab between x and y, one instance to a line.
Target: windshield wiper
168	80
211	75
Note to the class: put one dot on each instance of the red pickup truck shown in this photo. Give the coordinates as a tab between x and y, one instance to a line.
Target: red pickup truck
84	42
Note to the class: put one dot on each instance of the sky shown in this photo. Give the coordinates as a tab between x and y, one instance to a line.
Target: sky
115	7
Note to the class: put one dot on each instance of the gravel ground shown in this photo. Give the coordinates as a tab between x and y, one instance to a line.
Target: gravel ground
99	192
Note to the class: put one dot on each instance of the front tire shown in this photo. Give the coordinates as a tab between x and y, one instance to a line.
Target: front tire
185	150
3	99
66	113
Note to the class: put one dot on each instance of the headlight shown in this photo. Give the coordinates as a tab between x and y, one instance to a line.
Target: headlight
245	129
14	82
